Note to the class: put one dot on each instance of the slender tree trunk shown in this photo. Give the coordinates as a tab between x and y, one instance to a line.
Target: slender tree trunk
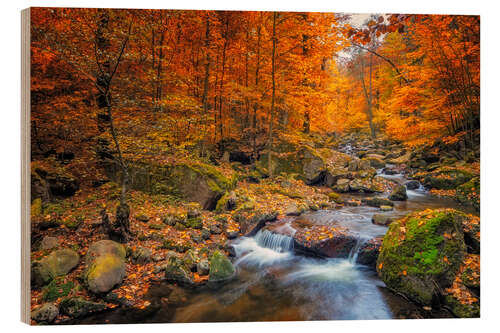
255	105
273	96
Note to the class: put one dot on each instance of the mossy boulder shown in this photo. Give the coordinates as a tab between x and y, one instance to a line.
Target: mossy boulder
221	268
421	254
398	194
57	263
105	262
305	161
195	182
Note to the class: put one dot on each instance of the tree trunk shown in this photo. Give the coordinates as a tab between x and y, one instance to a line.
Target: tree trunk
271	118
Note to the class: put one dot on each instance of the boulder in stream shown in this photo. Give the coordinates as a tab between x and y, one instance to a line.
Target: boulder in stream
398	194
221	268
421	254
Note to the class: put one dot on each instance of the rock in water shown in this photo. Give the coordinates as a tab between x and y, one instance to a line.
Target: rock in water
412	184
221	269
377	202
105	266
58	263
381	219
398	194
45	313
421	254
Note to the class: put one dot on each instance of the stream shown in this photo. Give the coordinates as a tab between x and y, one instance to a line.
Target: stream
275	284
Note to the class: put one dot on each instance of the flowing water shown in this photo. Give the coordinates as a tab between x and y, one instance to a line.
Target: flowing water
273	283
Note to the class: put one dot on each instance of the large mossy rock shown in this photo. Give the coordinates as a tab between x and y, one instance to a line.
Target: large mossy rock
195	182
105	262
221	268
57	263
305	161
421	254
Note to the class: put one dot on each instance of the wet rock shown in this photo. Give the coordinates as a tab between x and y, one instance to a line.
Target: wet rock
386	208
369	251
57	263
339	245
221	269
398	194
105	262
250	225
45	313
49	243
421	254
77	307
412	184
381	219
232	234
377	202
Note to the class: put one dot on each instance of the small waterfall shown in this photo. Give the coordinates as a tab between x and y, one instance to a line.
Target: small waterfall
353	255
277	242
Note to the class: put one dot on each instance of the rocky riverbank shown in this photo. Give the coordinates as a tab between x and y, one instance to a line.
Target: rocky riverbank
186	213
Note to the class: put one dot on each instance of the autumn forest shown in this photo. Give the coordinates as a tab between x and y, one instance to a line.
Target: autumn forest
194	166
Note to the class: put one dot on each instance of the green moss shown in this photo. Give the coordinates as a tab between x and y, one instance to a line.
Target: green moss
462	310
335	197
194	222
156	226
74	222
57	288
469	193
220	267
102	265
416	246
36	208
